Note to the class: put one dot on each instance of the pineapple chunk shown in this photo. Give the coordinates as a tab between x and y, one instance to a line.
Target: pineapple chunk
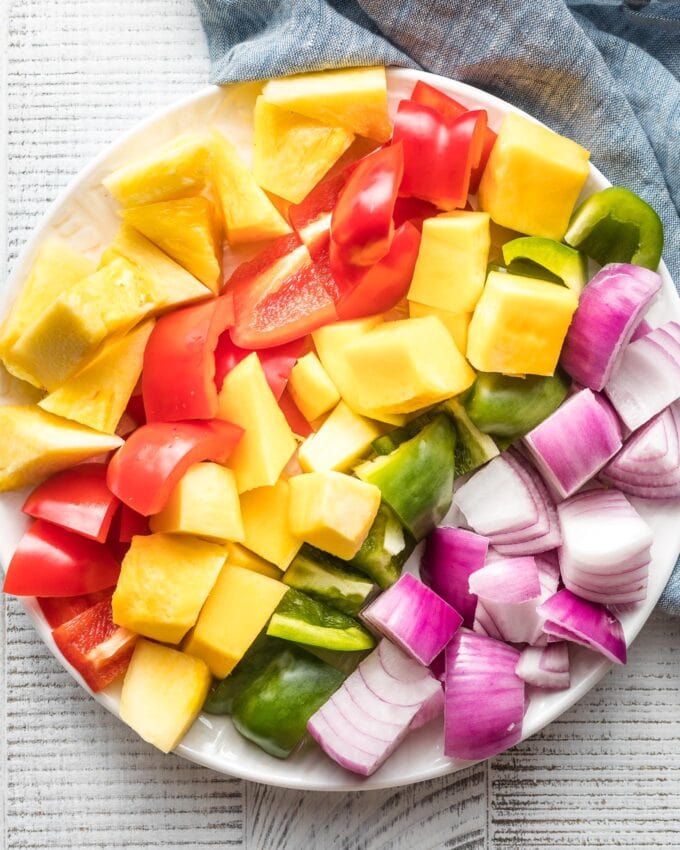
311	388
342	439
35	444
233	616
456	324
177	169
247	213
353	98
163	693
164	581
205	503
172	285
98	394
239	556
187	230
265	522
291	153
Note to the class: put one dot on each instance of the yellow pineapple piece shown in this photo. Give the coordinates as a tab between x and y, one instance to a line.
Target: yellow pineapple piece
175	170
187	230
239	556
266	525
291	152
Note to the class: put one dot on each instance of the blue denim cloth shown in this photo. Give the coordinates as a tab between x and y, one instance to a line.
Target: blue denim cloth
603	72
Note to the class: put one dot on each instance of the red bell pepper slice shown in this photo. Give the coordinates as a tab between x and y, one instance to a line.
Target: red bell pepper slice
311	218
77	499
144	471
376	289
51	561
280	295
362	225
95	646
60	609
178	380
439	154
448	107
414	210
298	424
276	362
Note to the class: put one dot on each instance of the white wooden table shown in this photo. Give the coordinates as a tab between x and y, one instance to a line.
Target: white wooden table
73	75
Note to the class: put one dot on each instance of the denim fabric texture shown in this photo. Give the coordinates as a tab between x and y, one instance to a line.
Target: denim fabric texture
603	72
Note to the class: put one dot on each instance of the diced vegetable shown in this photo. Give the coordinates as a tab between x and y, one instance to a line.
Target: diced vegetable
341	440
266	523
311	218
389	442
559	261
545	666
60	609
385	550
473	448
220	699
430	710
324	577
607	314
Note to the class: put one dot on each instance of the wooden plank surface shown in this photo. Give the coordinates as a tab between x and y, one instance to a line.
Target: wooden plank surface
73	75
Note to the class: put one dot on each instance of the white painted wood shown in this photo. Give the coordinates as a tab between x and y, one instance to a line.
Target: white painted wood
73	75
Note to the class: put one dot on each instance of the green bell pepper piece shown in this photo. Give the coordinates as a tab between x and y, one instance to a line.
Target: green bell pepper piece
389	442
473	448
617	226
220	699
556	261
272	710
385	550
325	578
302	619
510	407
416	479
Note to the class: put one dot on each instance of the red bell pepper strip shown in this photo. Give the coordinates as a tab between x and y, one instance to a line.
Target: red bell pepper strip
280	295
95	646
448	107
311	218
298	424
178	379
376	289
77	499
144	471
413	210
362	225
51	561
60	609
439	154
131	524
276	362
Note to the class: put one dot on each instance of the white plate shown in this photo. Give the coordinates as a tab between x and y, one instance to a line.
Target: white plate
86	217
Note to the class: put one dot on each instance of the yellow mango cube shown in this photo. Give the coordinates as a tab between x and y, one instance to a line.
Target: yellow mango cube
98	394
533	178
291	152
164	581
452	260
266	525
519	325
247	213
353	98
205	503
311	387
163	693
456	324
341	440
36	444
176	169
268	442
239	556
234	614
404	366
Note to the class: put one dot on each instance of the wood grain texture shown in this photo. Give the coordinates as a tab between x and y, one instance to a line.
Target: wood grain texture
73	75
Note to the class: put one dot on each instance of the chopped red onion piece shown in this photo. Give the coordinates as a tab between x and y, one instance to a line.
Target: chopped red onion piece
429	710
641	330
609	310
545	666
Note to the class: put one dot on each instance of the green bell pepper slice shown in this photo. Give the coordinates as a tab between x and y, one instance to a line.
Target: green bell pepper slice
221	696
547	257
385	550
473	447
389	442
325	578
617	226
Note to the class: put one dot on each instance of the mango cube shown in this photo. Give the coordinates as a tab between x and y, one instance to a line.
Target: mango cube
332	511
404	366
456	324
343	438
233	616
519	325
266	525
247	213
268	442
164	581
451	265
311	387
291	152
36	444
98	394
179	168
353	98
239	556
533	178
163	693
204	502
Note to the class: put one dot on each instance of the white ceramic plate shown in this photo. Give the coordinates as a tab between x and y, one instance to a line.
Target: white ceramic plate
85	216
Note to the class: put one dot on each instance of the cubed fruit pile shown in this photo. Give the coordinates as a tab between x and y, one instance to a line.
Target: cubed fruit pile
231	474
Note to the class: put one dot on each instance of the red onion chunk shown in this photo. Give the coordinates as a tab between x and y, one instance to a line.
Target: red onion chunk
590	624
574	442
411	615
430	710
642	329
648	376
484	705
648	465
545	666
609	310
450	557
